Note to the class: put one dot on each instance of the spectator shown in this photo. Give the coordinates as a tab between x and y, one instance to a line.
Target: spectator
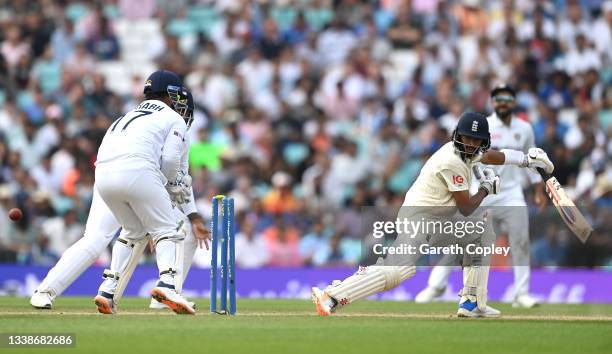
13	48
47	72
335	43
280	200
601	33
64	41
298	31
104	44
79	63
256	71
271	42
572	26
251	250
582	58
405	31
313	242
282	241
550	250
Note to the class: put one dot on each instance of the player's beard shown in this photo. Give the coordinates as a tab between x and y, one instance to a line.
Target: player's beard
503	113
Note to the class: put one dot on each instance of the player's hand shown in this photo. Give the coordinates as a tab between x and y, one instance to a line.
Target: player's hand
201	233
537	158
488	180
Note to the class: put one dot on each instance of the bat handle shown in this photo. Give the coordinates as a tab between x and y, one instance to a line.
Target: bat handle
543	173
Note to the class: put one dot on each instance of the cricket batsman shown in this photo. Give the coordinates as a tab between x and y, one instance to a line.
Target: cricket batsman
441	189
510	208
101	228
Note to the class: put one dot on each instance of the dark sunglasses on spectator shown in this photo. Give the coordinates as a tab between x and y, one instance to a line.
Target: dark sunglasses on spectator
503	98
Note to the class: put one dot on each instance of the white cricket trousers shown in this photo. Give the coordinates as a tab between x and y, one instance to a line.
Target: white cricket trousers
139	201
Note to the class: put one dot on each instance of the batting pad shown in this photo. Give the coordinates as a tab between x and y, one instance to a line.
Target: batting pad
369	281
475	282
138	248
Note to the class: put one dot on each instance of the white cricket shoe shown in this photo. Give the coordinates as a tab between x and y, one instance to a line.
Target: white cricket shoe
156	305
525	301
173	300
323	303
428	295
42	301
470	309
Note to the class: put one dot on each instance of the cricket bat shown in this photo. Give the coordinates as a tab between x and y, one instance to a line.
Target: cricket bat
572	217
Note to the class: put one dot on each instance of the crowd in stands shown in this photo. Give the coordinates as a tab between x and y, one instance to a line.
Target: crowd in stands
305	110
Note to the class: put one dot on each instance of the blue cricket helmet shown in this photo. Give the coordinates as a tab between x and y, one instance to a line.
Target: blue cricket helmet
474	125
167	82
160	80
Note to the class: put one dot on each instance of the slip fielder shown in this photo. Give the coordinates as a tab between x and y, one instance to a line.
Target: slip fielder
441	187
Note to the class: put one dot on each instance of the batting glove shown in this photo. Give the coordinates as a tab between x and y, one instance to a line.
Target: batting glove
488	180
537	158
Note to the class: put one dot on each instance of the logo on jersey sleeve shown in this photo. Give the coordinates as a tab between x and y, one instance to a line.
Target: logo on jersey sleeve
179	135
458	180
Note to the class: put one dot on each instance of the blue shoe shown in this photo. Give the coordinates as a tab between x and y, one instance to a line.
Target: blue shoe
470	309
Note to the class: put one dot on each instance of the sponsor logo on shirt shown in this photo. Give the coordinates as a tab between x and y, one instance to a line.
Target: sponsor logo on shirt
458	180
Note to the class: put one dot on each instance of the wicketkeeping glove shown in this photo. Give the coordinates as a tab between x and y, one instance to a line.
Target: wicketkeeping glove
180	190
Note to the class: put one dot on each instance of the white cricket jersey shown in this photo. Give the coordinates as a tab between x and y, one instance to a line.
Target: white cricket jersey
150	136
190	206
516	136
444	173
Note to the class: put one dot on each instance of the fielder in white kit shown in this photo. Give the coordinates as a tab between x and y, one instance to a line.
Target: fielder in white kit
441	187
509	208
102	226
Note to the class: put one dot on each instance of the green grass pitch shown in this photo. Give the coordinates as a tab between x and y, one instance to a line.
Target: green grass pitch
290	326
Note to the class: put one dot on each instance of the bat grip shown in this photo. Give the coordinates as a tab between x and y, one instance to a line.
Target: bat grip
543	173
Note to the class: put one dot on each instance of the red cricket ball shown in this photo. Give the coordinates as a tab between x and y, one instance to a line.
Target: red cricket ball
15	214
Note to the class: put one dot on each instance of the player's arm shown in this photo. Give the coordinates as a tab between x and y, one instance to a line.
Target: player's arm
456	182
198	226
200	231
182	193
489	184
466	203
535	158
493	157
172	152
